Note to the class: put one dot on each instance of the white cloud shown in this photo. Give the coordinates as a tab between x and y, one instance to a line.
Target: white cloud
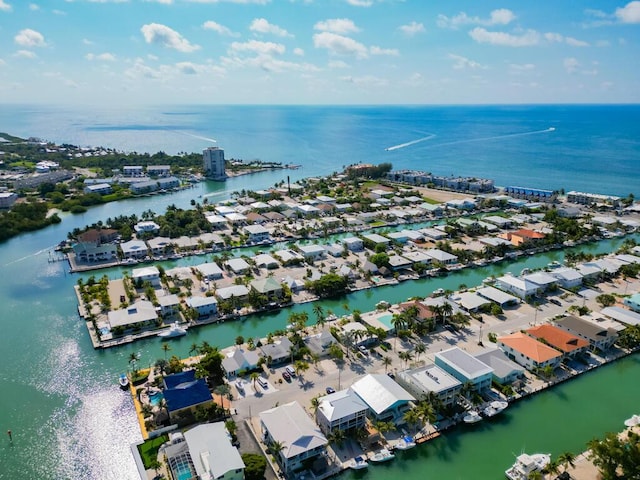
571	64
263	48
102	57
360	3
2	63
501	16
412	28
366	80
630	13
575	42
58	12
337	25
461	63
25	54
241	2
521	67
553	37
375	50
30	38
299	52
5	7
339	45
261	25
32	6
221	29
167	37
187	68
86	41
527	39
338	64
165	2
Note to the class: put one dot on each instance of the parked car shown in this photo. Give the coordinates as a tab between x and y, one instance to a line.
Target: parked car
330	390
286	376
290	370
363	350
555	301
263	383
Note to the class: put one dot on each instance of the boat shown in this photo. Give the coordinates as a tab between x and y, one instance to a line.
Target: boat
494	408
175	330
358	463
527	464
632	421
405	443
382	455
472	417
123	380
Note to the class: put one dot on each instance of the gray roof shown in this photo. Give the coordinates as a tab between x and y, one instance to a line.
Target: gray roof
585	328
429	378
210	269
195	302
290	425
340	405
211	450
496	359
278	349
225	293
622	315
464	362
140	311
237	264
496	295
470	300
380	392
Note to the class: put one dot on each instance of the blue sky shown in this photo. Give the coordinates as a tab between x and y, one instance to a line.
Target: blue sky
319	51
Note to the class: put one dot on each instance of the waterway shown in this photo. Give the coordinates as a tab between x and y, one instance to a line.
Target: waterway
69	419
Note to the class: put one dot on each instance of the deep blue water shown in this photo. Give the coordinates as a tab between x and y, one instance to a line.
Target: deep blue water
593	148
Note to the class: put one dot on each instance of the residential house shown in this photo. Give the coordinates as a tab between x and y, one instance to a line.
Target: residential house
343	410
134	249
544	280
354	244
240	360
433	233
205	306
217	221
375	239
99	188
237	265
431	379
146	227
633	302
183	392
137	315
518	286
570	345
264	260
7	199
300	438
387	401
169	305
528	352
210	271
470	301
567	277
160	245
312	252
158	170
522	235
146	274
289	257
465	367
622	315
257	233
599	337
497	296
277	352
441	256
398	262
505	371
269	287
237	292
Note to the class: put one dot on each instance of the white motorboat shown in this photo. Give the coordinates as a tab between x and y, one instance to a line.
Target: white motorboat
632	421
382	455
175	330
494	408
123	380
405	443
472	417
527	464
358	463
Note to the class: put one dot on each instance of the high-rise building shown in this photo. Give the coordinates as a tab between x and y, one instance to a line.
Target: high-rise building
213	159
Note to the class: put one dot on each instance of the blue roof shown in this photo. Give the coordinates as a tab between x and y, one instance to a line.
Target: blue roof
187	394
173	380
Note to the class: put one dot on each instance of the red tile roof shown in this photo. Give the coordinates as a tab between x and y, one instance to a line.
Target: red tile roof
558	338
529	347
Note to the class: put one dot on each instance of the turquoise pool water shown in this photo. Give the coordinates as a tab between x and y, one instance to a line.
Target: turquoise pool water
386	320
155	398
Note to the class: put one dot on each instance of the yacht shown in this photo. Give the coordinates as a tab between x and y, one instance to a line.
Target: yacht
527	464
472	417
123	380
382	455
175	330
358	463
494	408
405	443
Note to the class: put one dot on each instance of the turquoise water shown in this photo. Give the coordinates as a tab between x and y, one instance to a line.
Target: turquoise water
386	320
156	398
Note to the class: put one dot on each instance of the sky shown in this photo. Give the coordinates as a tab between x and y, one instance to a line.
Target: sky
146	52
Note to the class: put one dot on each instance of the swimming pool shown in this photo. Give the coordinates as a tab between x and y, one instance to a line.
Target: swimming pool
386	320
155	398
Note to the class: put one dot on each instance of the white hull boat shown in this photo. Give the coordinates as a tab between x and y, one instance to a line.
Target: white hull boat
527	464
175	330
382	455
358	463
405	443
494	408
123	380
472	417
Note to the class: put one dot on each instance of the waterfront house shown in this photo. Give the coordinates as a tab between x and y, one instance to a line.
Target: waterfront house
98	236
387	401
590	273
498	296
236	218
433	233
169	305
289	257
359	333
570	345
205	306
99	188
134	249
633	302
343	410
441	256
89	252
505	371
528	352
160	245
209	271
334	249
237	292
567	277
146	227
518	286
205	452
599	337
354	244
240	360
470	301
264	260
217	221
146	274
312	252
417	256
431	379
465	367
183	392
302	440
399	237
237	265
319	343
373	239
158	170
277	352
257	233
545	281
398	262
137	315
521	236
308	210
501	222
622	315
268	287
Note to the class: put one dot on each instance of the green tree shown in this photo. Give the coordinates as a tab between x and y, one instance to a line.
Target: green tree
387	362
616	456
255	466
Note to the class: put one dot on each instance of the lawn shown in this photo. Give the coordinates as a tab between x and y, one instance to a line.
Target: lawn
149	449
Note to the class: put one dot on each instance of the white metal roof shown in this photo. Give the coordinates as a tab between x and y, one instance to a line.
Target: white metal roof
380	392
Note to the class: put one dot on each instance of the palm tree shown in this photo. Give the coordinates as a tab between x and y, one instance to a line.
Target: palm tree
314	404
254	377
419	349
133	361
301	366
386	361
276	447
447	310
222	390
567	459
405	357
437	312
383	427
412	417
426	412
165	348
193	349
319	313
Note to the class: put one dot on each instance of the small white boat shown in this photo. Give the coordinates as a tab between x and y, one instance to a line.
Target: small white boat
494	408
358	463
405	443
175	330
472	417
123	380
527	464
632	421
382	455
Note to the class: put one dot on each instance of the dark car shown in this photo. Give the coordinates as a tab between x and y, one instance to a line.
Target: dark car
286	376
555	301
330	390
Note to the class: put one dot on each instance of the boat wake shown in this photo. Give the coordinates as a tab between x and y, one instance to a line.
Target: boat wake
495	137
408	144
194	136
39	252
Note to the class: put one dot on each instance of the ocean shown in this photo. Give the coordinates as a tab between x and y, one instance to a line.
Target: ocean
592	148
